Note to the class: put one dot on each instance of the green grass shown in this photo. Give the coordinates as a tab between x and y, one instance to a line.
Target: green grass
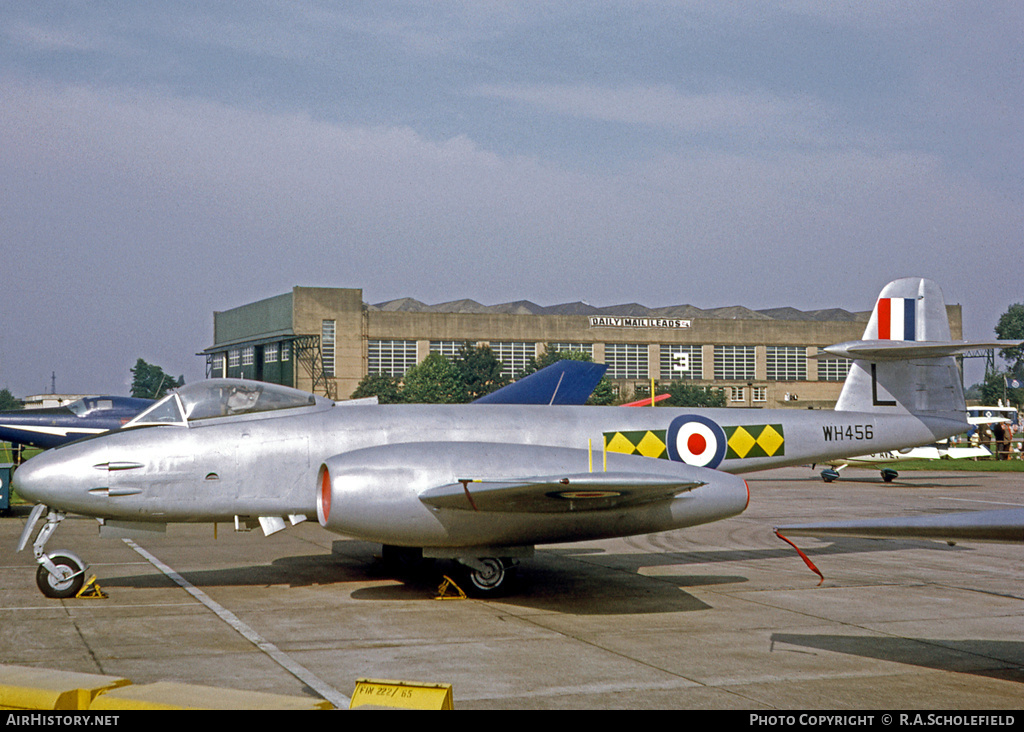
988	466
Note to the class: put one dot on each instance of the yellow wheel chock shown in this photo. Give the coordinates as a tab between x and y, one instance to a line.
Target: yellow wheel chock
91	590
442	591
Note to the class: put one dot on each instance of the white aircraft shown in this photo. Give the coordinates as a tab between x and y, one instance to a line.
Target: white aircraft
482	484
922	452
952	451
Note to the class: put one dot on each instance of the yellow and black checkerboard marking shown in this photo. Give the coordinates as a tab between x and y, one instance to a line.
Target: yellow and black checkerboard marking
753	441
742	441
649	443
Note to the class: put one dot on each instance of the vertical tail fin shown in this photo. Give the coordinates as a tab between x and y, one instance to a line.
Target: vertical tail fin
905	364
910	309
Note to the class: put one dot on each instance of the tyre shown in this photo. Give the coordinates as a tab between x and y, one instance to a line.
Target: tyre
491	578
67	579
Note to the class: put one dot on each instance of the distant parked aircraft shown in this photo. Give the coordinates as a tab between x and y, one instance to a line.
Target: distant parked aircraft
52	426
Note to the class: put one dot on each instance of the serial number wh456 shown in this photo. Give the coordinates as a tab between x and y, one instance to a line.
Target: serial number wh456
837	433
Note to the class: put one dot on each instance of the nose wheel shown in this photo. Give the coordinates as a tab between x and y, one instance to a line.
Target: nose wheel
60	574
64	579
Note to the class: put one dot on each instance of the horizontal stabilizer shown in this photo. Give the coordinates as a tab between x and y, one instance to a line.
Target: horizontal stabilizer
882	350
1004	525
562	383
904	362
557	493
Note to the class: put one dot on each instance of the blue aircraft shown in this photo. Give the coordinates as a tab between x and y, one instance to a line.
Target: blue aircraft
53	426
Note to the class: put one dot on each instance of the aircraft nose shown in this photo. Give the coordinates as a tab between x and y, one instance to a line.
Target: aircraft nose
48	478
28	481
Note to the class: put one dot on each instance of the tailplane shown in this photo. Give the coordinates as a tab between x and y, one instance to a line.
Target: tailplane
904	363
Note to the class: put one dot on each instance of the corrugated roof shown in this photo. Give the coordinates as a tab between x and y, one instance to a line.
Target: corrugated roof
525	307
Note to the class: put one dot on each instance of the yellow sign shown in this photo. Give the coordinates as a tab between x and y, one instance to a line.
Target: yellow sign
401	694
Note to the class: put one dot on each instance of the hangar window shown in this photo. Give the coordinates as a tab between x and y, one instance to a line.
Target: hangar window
832	369
514	356
734	363
448	349
327	340
391	357
681	362
587	348
234	357
626	360
270	353
218	365
786	363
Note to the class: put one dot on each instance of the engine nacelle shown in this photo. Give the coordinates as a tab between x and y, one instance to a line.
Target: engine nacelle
465	494
373	494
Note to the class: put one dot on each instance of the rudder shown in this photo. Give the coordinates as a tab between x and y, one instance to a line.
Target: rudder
904	362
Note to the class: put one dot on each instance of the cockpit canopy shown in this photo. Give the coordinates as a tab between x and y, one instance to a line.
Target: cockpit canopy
88	405
84	406
224	398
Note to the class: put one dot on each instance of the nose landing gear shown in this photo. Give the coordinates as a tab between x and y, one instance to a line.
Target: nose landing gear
61	574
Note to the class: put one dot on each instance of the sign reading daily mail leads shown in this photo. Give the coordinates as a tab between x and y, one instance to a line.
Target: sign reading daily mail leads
600	321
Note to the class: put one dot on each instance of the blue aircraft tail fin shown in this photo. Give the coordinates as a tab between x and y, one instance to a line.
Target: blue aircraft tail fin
562	383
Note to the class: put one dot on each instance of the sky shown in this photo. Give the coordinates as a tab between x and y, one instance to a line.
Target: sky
162	161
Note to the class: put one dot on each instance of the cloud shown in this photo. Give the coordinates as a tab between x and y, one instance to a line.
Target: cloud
759	117
133	214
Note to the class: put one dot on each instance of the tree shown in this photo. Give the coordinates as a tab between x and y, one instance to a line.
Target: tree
150	381
8	401
435	380
691	395
387	389
994	387
1011	328
479	370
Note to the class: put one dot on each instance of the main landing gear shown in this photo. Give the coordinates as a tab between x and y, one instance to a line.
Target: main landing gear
476	576
486	576
61	574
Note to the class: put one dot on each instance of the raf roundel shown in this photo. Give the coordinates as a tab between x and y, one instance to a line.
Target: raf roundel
696	440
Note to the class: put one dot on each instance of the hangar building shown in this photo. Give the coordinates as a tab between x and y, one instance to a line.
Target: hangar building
325	340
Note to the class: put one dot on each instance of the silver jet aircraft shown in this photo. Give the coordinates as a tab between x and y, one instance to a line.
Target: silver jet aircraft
484	483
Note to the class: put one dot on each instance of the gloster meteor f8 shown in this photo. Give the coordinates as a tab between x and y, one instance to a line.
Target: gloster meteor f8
484	483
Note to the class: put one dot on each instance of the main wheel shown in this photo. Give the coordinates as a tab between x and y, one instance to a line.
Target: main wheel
490	578
67	579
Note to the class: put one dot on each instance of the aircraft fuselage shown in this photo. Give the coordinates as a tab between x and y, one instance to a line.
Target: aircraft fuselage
269	465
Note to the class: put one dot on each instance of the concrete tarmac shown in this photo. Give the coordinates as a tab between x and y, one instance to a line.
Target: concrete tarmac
722	616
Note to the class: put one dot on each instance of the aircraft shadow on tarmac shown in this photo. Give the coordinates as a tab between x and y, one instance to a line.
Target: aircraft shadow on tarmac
552	580
990	658
571	580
